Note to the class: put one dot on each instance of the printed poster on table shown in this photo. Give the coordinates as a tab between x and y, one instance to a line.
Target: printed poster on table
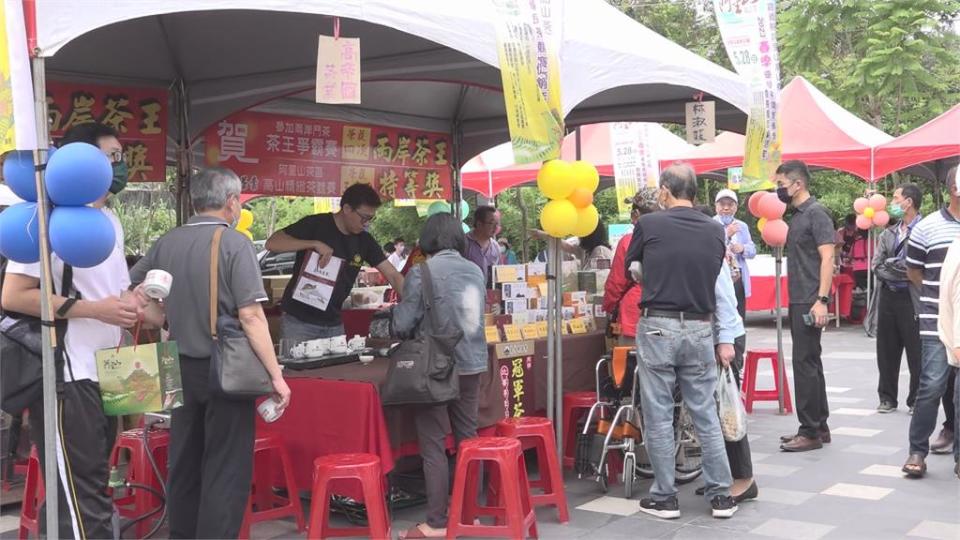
515	372
315	285
528	39
338	70
139	115
635	163
748	29
286	155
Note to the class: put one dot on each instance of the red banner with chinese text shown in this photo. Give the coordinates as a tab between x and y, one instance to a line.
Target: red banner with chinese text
138	114
286	155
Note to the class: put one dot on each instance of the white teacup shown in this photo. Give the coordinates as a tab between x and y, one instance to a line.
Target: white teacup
157	284
298	351
338	344
317	347
357	343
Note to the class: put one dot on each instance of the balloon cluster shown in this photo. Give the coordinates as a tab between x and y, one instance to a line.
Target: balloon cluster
244	223
440	207
76	175
871	212
769	209
570	187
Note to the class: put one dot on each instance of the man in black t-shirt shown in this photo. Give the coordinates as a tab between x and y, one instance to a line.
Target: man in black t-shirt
331	249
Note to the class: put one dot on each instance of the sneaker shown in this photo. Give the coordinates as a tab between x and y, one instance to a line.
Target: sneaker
723	506
943	444
886	407
665	509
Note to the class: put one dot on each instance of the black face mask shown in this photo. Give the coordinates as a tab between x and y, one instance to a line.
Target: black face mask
784	195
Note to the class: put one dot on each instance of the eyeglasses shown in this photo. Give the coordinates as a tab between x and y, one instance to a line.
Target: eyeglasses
364	218
115	156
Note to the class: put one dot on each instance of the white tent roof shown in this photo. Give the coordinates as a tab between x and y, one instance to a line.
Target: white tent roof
426	63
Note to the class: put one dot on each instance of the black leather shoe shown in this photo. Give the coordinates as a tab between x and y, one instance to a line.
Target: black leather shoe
824	436
750	494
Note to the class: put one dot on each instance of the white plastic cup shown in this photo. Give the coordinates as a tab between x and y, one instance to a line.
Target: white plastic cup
269	410
157	284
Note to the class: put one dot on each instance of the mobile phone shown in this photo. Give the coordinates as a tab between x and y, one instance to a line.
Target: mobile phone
655	333
808	319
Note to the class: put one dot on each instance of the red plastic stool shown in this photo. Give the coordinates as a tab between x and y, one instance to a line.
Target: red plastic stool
362	467
33	494
749	388
513	508
269	505
139	471
575	405
540	432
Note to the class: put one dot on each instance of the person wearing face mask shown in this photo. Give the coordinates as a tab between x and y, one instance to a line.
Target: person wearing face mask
94	318
211	436
334	247
898	328
810	252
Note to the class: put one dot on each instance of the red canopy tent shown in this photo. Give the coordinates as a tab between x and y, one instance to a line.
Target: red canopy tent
937	139
493	171
815	130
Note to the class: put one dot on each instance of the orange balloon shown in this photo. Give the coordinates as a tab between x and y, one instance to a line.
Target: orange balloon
881	218
878	202
775	233
581	197
860	204
863	222
771	207
754	201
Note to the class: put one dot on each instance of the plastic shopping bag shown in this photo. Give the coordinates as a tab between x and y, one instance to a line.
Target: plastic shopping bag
733	418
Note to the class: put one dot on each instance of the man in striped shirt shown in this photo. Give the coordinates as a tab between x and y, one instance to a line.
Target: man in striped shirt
926	251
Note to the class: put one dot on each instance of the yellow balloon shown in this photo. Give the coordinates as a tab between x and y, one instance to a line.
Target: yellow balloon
555	179
246	220
248	234
585	175
869	212
559	218
587	220
760	223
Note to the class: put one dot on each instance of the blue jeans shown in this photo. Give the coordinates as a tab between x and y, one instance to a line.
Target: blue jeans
673	352
934	373
294	328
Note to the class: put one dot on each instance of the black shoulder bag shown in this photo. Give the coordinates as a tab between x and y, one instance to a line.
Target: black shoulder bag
422	370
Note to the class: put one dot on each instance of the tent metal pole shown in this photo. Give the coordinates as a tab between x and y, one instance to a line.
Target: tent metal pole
781	365
49	336
558	323
551	316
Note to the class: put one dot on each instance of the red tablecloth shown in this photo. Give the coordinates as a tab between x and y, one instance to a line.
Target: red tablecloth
763	296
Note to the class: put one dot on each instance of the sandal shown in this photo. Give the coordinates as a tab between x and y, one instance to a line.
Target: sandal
915	467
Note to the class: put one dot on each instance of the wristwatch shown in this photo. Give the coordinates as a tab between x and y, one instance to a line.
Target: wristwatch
825	300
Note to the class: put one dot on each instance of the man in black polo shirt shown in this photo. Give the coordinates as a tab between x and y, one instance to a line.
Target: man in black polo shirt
331	249
810	245
681	253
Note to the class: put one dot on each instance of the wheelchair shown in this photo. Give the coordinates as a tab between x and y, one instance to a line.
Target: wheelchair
614	424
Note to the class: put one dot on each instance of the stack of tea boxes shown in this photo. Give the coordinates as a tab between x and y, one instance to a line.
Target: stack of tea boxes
517	305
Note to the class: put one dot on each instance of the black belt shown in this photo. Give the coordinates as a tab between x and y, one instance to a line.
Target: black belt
678	315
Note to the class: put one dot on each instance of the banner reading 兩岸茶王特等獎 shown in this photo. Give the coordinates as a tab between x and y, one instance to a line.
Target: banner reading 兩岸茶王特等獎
748	28
528	38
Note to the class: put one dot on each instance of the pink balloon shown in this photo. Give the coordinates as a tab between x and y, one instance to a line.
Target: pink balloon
754	201
881	218
771	207
775	233
860	204
863	222
878	202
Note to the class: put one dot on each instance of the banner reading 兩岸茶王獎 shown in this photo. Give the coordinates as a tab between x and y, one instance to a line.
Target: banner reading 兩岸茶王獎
528	38
748	29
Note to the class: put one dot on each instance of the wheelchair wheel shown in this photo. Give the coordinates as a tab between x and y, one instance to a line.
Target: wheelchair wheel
602	479
689	451
629	474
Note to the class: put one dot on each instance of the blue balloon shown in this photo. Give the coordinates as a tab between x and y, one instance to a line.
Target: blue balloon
82	236
20	233
78	174
18	173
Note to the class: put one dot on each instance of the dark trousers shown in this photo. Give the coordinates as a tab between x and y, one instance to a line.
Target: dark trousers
897	330
86	440
738	453
808	381
432	424
211	458
950	405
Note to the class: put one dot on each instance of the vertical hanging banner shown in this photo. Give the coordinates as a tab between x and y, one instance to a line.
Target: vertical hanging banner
701	122
338	69
748	28
734	178
635	163
528	42
17	118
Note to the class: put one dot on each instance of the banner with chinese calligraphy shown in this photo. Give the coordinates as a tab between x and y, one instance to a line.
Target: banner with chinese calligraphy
515	372
701	122
139	115
338	70
748	29
528	38
286	155
17	116
635	163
